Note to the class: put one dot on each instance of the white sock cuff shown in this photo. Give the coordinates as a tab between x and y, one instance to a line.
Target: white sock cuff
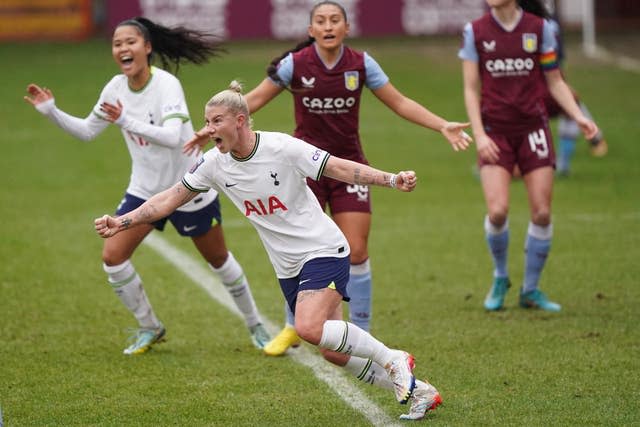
113	269
333	332
540	232
361	269
230	272
121	274
493	229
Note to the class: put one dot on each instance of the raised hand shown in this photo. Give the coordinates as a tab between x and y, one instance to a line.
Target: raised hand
37	95
455	134
197	143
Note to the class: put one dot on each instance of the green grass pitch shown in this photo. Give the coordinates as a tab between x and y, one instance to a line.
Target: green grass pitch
62	331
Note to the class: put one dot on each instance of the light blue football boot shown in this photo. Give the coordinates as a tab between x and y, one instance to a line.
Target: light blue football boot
259	336
495	298
537	299
143	339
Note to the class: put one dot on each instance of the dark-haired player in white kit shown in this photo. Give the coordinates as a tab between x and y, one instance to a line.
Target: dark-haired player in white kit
148	104
264	175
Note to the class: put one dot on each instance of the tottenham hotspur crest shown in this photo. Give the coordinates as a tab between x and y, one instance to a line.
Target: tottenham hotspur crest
530	42
351	80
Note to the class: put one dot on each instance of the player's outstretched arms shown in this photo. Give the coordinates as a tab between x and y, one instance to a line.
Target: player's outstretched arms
356	173
157	207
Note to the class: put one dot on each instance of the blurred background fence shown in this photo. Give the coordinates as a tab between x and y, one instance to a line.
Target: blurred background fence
280	19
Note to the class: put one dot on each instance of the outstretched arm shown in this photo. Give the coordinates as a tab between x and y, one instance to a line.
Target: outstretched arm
157	207
410	110
358	173
262	94
43	101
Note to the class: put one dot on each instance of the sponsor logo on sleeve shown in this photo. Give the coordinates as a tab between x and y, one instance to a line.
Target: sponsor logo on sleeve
197	165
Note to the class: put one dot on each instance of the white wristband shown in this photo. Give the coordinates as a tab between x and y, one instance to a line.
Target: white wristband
392	180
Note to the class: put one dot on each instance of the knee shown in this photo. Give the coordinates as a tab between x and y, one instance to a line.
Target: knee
113	257
498	216
212	247
541	217
309	331
359	252
217	260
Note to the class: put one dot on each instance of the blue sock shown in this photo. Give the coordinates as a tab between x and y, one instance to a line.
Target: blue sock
567	149
359	290
498	241
536	250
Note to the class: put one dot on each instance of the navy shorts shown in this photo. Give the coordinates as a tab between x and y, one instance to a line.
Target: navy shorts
190	224
318	273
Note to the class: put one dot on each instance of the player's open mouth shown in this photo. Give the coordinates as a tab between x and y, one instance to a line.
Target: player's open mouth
329	37
126	60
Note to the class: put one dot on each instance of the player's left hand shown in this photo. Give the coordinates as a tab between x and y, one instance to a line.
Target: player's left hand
455	134
112	112
406	181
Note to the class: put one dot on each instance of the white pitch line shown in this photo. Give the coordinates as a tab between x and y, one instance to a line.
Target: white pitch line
621	61
322	369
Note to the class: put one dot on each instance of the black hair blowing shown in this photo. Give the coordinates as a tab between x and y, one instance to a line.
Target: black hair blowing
535	7
272	69
176	45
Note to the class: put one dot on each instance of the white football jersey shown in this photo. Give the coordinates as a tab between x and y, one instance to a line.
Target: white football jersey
269	187
154	167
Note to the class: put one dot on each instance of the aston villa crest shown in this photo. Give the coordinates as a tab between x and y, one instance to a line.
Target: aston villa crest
530	42
351	80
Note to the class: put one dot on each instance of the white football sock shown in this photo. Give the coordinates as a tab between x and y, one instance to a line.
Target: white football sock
345	337
235	282
369	371
127	285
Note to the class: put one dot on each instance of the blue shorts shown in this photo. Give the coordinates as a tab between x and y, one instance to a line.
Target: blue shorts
318	273
190	224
